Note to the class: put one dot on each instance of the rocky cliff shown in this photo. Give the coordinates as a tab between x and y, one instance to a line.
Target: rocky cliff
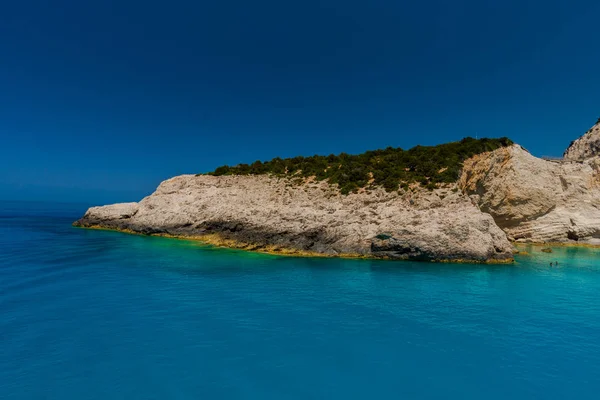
585	147
535	200
503	195
272	214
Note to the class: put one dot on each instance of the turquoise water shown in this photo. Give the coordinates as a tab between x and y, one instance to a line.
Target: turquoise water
103	315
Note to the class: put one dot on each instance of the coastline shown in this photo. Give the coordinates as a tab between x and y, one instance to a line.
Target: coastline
214	239
557	244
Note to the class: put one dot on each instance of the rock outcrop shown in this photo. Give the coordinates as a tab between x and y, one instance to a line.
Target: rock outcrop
535	200
501	196
272	214
585	147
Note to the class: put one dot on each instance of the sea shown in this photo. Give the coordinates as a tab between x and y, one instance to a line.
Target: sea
87	314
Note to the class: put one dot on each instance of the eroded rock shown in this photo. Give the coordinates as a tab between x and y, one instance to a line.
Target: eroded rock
535	200
262	212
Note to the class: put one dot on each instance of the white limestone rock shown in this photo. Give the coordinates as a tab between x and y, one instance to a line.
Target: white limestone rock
534	200
316	217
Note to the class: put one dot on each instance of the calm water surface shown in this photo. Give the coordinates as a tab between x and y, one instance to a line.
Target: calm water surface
102	315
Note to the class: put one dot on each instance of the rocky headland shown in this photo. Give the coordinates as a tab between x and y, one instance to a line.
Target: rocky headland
501	196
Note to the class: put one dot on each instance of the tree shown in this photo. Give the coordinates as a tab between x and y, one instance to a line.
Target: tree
388	168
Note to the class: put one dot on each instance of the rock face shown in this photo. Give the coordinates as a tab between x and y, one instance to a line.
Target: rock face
534	200
267	213
586	146
503	195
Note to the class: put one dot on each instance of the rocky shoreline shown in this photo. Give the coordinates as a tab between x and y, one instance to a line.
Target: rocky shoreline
503	196
267	213
217	240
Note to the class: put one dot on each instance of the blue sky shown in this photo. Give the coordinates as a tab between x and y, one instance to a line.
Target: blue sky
100	101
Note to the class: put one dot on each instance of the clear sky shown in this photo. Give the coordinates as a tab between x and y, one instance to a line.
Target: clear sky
101	100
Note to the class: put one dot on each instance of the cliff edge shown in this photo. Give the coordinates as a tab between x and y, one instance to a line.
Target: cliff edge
272	214
500	196
586	147
538	201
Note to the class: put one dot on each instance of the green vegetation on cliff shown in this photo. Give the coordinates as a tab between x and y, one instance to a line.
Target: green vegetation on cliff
389	168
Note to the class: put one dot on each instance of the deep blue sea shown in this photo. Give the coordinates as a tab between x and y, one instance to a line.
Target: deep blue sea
102	315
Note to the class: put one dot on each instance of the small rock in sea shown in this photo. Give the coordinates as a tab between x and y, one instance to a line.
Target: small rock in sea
547	250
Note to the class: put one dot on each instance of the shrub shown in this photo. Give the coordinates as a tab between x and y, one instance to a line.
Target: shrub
390	168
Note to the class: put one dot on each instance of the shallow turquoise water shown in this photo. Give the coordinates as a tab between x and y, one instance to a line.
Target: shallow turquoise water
101	315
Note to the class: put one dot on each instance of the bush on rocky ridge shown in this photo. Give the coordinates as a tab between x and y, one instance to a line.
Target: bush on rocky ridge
390	168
